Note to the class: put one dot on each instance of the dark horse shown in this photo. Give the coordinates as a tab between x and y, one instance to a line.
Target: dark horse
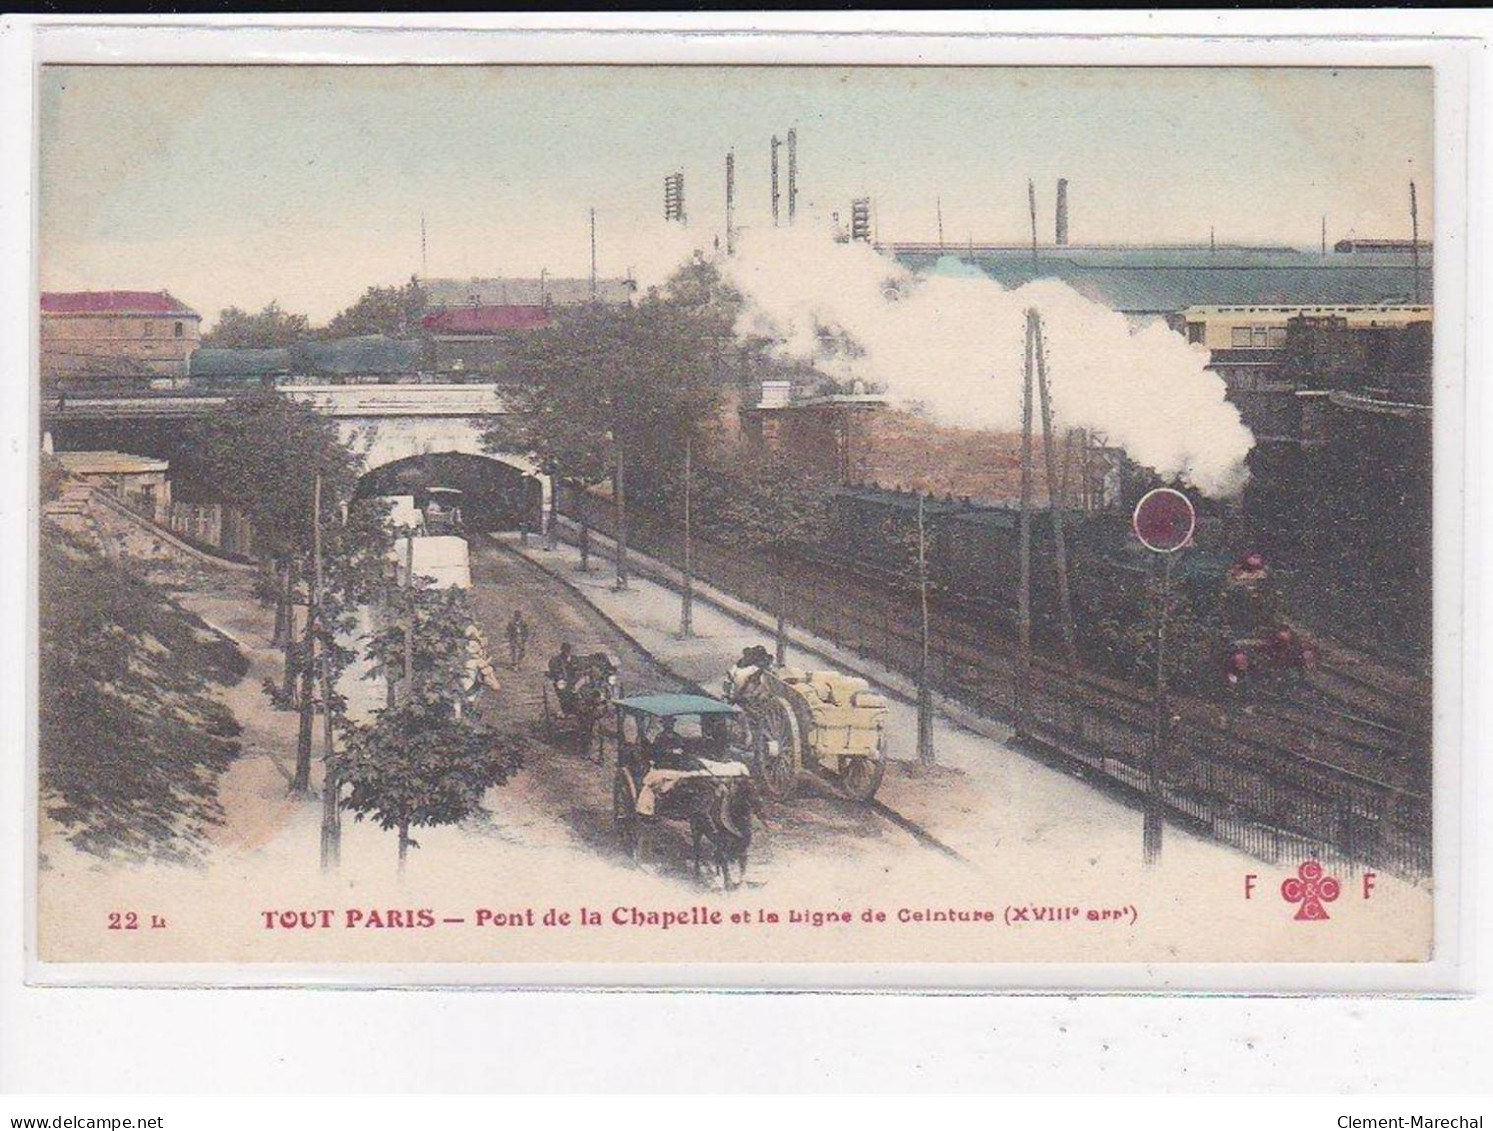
722	814
590	693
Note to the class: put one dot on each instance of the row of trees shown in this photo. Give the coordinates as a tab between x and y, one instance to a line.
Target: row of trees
395	312
425	758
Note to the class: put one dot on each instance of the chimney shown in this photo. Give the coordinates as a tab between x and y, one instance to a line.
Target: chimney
775	394
792	174
730	201
1062	232
775	144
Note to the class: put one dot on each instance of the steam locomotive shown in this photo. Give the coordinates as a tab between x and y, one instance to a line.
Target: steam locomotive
1262	650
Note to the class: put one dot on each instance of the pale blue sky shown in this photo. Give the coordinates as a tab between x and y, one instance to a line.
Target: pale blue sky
241	184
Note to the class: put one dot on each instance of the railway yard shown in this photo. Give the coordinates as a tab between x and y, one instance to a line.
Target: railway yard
1340	764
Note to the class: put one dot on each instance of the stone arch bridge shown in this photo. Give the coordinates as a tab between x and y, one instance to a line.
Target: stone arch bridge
388	425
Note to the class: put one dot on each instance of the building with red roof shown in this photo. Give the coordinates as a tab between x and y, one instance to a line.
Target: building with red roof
473	324
476	341
101	334
486	319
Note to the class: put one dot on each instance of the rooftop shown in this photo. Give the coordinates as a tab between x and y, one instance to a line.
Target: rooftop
114	302
369	354
110	463
1165	279
485	319
1402	312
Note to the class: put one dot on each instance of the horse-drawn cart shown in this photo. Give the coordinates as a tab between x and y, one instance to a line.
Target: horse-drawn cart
795	720
577	692
675	763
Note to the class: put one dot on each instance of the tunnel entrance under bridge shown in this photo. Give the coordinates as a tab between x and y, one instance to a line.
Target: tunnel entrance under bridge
496	495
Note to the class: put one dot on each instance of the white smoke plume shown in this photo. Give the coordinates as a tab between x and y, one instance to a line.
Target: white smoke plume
953	341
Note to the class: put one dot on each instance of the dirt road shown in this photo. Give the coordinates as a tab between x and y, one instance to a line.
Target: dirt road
557	781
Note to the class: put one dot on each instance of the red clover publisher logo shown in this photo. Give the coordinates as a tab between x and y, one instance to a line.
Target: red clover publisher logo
1310	888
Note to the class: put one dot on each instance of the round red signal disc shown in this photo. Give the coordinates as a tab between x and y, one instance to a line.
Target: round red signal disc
1164	520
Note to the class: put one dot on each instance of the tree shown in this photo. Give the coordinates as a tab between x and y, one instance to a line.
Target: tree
428	758
264	453
271	328
547	423
613	390
132	737
774	505
51	477
395	312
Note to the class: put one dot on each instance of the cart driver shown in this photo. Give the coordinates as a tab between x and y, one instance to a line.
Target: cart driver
749	668
667	749
562	676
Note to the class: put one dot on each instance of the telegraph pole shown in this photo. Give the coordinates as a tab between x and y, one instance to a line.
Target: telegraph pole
938	204
1065	604
619	490
925	689
1031	199
674	198
731	202
687	598
593	255
424	267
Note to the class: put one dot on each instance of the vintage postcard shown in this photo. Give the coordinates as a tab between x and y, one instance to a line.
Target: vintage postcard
736	517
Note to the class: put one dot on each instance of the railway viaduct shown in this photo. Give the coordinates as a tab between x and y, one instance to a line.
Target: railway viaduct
387	425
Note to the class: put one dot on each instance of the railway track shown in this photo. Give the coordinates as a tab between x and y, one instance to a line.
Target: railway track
972	647
1331	727
1240	777
1356	742
1363	695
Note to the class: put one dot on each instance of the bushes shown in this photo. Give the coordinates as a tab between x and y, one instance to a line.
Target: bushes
132	743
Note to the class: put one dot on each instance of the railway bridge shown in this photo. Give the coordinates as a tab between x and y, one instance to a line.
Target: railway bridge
404	432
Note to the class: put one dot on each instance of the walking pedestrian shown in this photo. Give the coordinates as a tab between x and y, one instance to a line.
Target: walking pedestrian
518	639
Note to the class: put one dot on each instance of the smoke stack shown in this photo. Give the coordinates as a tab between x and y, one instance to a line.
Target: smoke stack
1062	222
730	201
792	174
775	144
